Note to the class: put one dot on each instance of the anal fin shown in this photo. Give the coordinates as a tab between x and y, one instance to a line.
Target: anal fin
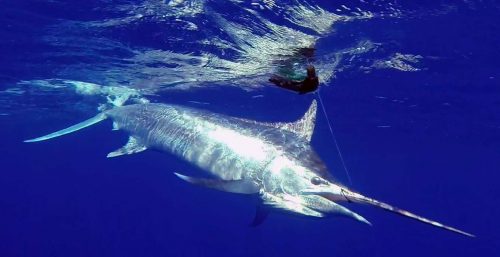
261	214
132	146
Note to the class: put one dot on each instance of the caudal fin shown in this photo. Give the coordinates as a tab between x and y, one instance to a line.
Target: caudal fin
355	197
99	117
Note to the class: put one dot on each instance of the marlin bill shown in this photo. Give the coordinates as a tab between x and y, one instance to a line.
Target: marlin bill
273	160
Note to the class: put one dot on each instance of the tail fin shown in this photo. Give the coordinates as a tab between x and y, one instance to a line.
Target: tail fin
355	197
99	117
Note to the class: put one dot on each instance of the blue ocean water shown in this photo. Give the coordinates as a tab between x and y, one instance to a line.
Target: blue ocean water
412	91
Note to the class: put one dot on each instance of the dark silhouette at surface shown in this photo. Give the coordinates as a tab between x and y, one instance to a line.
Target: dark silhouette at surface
309	84
307	52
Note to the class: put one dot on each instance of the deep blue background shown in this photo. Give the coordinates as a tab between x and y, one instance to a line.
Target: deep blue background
439	158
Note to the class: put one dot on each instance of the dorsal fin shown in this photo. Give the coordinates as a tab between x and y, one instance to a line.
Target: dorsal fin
304	126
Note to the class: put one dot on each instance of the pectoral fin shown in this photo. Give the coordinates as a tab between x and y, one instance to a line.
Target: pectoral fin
290	203
132	146
239	186
341	210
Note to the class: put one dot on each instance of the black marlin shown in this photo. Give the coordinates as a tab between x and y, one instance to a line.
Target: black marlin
273	160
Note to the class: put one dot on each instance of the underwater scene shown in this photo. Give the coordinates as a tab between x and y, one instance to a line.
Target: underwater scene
249	128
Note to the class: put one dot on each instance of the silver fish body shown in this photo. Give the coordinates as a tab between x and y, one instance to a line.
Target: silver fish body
228	148
273	160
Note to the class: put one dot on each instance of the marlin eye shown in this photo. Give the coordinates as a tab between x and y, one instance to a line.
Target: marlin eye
316	181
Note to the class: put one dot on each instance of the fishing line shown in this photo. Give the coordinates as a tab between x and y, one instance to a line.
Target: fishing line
330	126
